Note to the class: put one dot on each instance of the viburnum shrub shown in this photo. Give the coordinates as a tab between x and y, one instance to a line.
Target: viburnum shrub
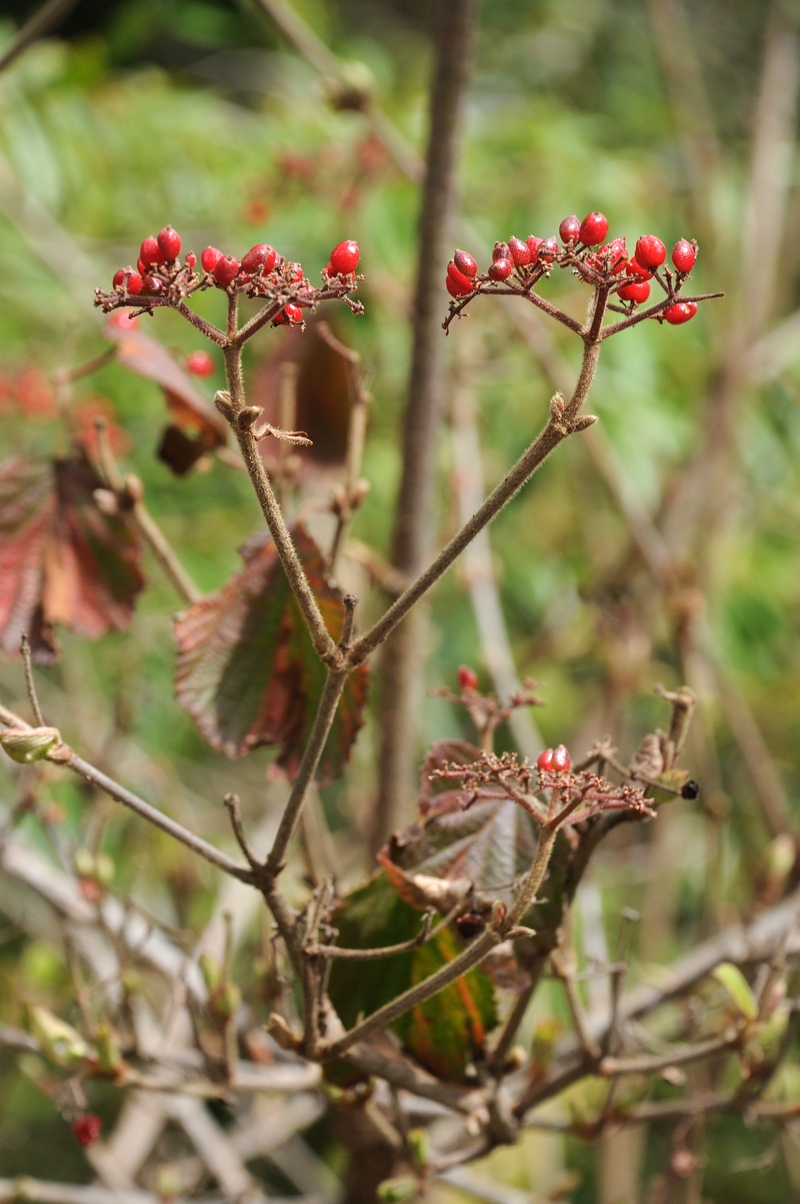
470	903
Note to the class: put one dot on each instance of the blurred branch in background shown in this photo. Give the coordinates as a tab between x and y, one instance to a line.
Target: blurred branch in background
404	654
42	22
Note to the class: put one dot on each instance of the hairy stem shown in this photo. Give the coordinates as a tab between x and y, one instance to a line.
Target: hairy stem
320	637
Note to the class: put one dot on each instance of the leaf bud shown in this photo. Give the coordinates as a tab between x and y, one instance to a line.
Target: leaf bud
24	745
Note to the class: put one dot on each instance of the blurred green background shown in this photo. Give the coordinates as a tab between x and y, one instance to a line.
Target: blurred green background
138	114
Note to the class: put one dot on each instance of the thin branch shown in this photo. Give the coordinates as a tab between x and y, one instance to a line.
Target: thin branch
326	710
613	1067
63	755
652	312
165	554
40	23
30	684
207	328
425	934
320	636
553	433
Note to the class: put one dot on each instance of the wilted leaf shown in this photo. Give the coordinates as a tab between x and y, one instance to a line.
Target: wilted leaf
62	560
737	986
444	1032
146	356
247	672
487	845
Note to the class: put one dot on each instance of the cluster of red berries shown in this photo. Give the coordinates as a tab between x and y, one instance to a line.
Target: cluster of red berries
534	257
555	760
159	273
87	1128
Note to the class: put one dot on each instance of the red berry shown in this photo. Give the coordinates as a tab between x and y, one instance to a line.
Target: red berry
520	252
455	290
226	270
561	759
295	272
467	678
328	271
191	261
533	245
87	1128
593	229
632	268
650	251
289	314
345	257
548	248
500	251
545	760
462	283
200	363
150	252
169	243
676	315
636	290
141	266
128	280
261	256
683	255
569	229
617	254
501	269
152	286
465	263
210	258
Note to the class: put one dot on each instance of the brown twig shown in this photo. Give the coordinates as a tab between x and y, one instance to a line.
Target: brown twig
38	24
30	685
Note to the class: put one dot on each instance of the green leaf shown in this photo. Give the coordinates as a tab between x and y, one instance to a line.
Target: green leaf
247	672
444	1032
738	988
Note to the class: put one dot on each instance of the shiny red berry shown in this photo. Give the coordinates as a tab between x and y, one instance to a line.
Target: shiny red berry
548	248
87	1128
561	759
520	252
462	283
226	270
200	363
593	229
150	252
152	286
545	759
128	280
142	267
261	256
295	272
632	268
210	258
569	229
191	261
467	678
650	251
288	315
676	315
169	243
500	251
501	269
465	263
636	290
533	246
684	255
345	257
616	252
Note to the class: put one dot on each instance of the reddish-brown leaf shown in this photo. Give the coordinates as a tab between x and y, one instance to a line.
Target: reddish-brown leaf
146	356
62	560
247	672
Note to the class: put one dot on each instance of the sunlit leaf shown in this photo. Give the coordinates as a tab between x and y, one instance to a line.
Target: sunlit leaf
446	1031
62	559
247	672
737	986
